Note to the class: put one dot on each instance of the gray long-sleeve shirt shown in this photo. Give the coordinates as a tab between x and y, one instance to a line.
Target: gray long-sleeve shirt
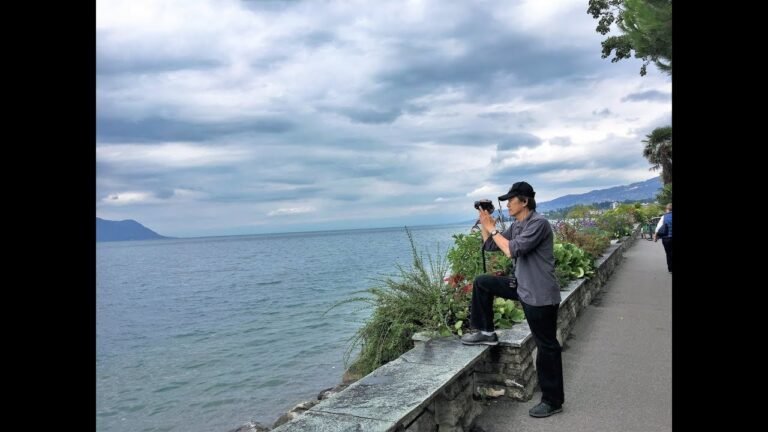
532	245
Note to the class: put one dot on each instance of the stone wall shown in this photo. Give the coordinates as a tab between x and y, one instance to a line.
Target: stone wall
435	386
451	410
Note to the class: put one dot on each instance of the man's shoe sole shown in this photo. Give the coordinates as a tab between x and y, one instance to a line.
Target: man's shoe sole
554	411
492	343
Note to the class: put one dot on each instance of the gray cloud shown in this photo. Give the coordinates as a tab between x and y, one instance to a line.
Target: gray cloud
516	140
605	112
213	115
490	71
467	138
578	171
649	95
109	64
369	115
154	129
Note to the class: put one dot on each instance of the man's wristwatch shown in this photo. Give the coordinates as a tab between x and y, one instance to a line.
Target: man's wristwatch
494	232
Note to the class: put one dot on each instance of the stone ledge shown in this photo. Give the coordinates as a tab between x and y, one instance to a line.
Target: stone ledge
431	387
327	422
396	394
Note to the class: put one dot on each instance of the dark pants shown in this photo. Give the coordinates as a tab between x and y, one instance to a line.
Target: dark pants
543	323
667	242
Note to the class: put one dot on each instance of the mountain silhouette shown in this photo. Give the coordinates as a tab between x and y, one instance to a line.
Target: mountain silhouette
633	192
129	229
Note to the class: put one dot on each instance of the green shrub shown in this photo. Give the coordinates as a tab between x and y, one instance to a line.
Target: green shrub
646	213
589	238
466	260
616	223
422	299
416	299
571	262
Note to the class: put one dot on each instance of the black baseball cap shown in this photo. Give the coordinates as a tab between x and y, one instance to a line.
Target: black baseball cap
519	188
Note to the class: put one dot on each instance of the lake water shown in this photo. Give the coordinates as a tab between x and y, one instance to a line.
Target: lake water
205	334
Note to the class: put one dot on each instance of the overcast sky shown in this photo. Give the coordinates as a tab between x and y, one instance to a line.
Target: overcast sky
220	117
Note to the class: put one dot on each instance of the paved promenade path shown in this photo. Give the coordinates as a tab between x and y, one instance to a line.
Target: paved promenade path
617	361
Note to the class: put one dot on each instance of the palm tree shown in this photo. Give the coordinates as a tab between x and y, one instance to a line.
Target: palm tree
658	151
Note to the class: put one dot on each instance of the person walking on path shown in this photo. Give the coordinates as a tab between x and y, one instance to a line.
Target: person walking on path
664	231
530	241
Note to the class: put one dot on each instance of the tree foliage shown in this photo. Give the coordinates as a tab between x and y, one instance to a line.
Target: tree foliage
563	213
664	197
580	211
646	27
658	151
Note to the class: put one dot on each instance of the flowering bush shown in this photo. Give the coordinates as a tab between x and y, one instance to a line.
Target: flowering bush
422	298
617	224
590	238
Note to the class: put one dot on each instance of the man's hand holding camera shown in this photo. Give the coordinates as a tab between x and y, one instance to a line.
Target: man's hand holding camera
485	210
487	221
488	224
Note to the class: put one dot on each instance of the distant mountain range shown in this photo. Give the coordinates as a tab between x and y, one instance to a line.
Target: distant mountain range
129	229
633	192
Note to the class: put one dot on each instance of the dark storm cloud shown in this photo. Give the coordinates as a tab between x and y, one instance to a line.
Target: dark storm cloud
522	119
481	65
514	141
486	66
160	180
368	115
111	129
503	175
317	38
107	64
650	95
351	168
266	193
164	193
416	109
468	138
215	185
490	70
269	5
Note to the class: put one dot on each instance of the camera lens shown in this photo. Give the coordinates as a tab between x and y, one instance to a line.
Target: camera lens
485	205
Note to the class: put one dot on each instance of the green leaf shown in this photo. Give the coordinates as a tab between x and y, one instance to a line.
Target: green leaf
518	315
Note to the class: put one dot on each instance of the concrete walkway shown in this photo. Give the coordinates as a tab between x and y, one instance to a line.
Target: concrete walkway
617	361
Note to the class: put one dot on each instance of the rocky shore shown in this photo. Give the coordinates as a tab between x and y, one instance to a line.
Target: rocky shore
300	408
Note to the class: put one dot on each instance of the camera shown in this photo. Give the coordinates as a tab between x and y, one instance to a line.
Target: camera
485	205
